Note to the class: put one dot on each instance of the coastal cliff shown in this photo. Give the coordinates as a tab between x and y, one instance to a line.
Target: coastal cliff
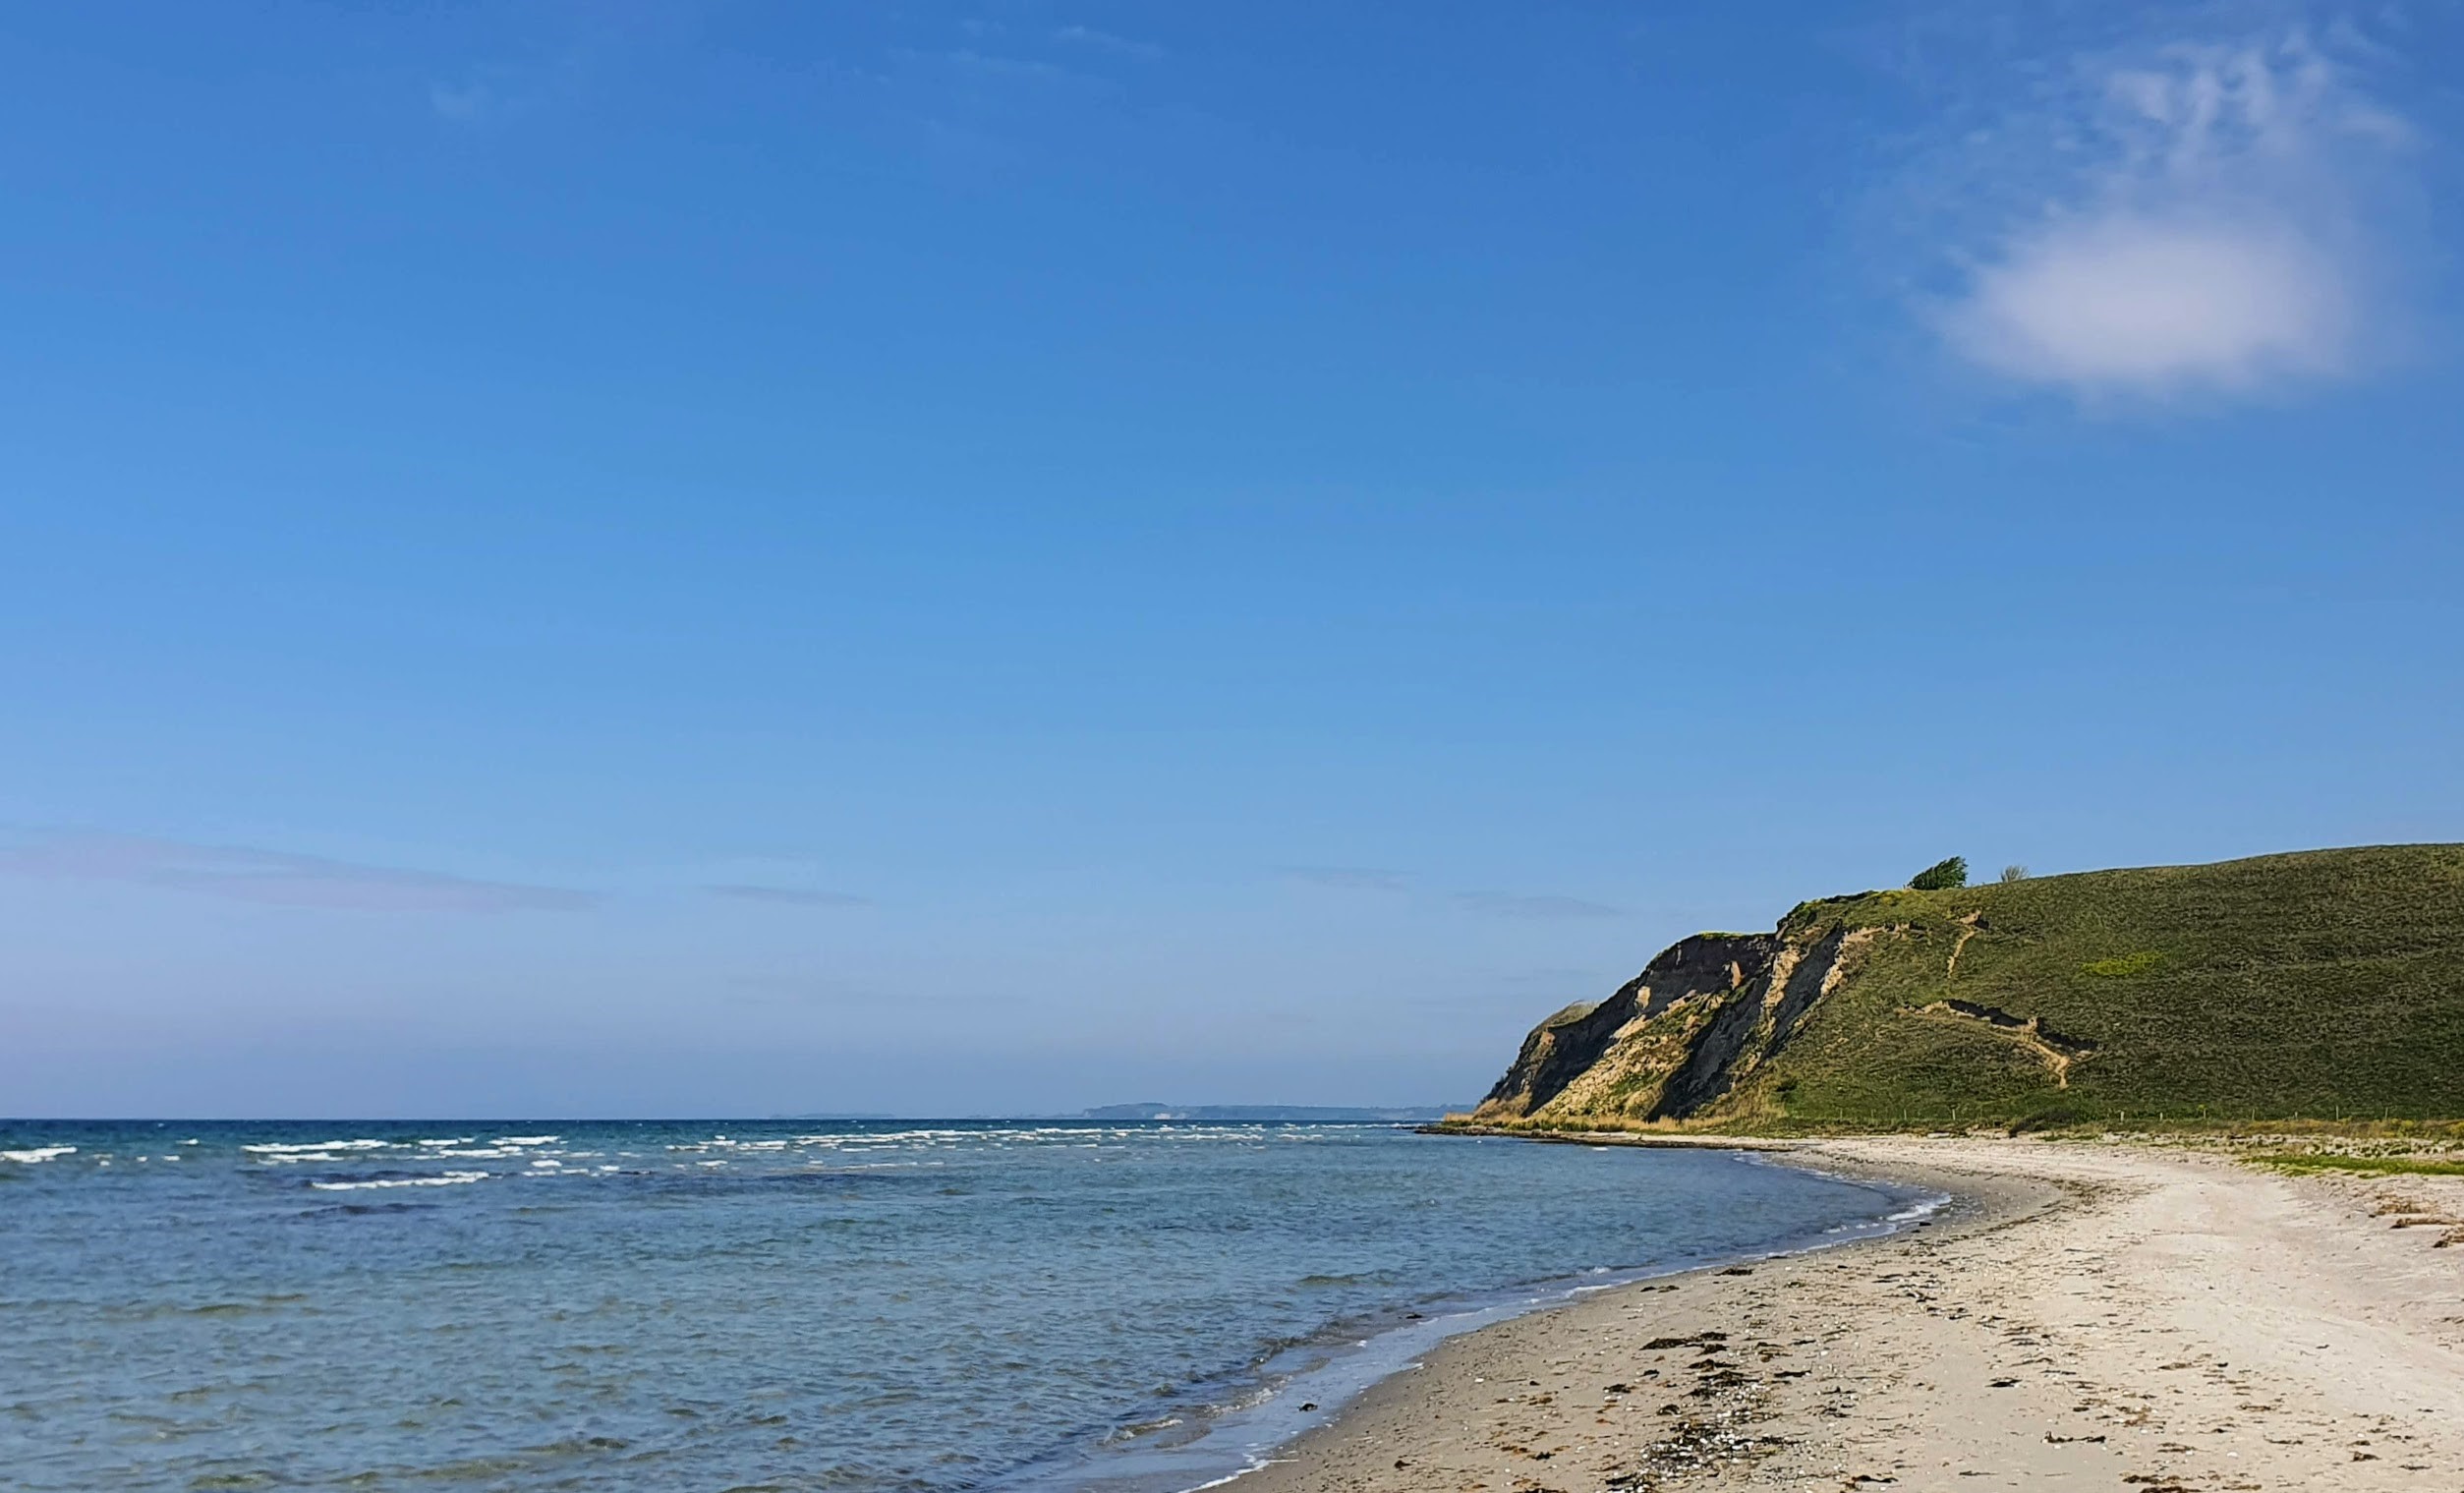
2321	985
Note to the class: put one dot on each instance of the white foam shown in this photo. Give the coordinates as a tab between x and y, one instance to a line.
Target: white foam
37	1154
450	1180
528	1140
271	1149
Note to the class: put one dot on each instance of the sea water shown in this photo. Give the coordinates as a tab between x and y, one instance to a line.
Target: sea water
786	1305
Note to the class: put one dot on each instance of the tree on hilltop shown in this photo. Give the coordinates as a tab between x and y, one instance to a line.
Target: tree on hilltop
1942	875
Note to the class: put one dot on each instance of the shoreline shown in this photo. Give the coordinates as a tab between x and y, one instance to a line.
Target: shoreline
1257	1430
2103	1315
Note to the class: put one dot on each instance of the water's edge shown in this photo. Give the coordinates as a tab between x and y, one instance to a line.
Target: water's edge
1309	1385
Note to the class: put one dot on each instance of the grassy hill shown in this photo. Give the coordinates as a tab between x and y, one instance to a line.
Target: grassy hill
2324	984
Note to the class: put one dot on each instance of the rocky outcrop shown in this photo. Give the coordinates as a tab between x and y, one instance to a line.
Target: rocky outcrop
1678	1039
1587	1051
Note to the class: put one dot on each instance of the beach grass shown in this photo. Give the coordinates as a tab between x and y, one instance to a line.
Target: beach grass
2362	1166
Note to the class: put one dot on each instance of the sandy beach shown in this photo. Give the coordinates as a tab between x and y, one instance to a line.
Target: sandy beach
2086	1315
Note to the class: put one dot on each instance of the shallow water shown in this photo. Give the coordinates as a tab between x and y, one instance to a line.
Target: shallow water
782	1305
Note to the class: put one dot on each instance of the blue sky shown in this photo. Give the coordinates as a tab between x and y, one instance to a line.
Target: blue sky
953	558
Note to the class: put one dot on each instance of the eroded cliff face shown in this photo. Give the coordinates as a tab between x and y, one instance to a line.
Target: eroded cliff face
1679	1039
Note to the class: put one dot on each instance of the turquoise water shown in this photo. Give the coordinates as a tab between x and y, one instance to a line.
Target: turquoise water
792	1305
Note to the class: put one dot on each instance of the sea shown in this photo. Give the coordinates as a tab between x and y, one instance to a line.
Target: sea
1021	1305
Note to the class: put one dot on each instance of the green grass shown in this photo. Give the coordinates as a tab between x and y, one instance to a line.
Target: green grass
2123	966
2326	984
2366	1165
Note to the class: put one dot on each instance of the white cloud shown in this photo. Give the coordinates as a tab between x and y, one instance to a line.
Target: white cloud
2152	304
2203	222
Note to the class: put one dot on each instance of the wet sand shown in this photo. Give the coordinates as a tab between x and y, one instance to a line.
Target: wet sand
2111	1316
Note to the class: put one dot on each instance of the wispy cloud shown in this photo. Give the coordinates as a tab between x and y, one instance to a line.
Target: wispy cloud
492	91
994	64
497	90
788	896
2180	218
1501	904
1107	42
278	877
1346	877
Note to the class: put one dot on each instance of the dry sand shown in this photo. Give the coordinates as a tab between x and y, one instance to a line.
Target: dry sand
2112	1316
